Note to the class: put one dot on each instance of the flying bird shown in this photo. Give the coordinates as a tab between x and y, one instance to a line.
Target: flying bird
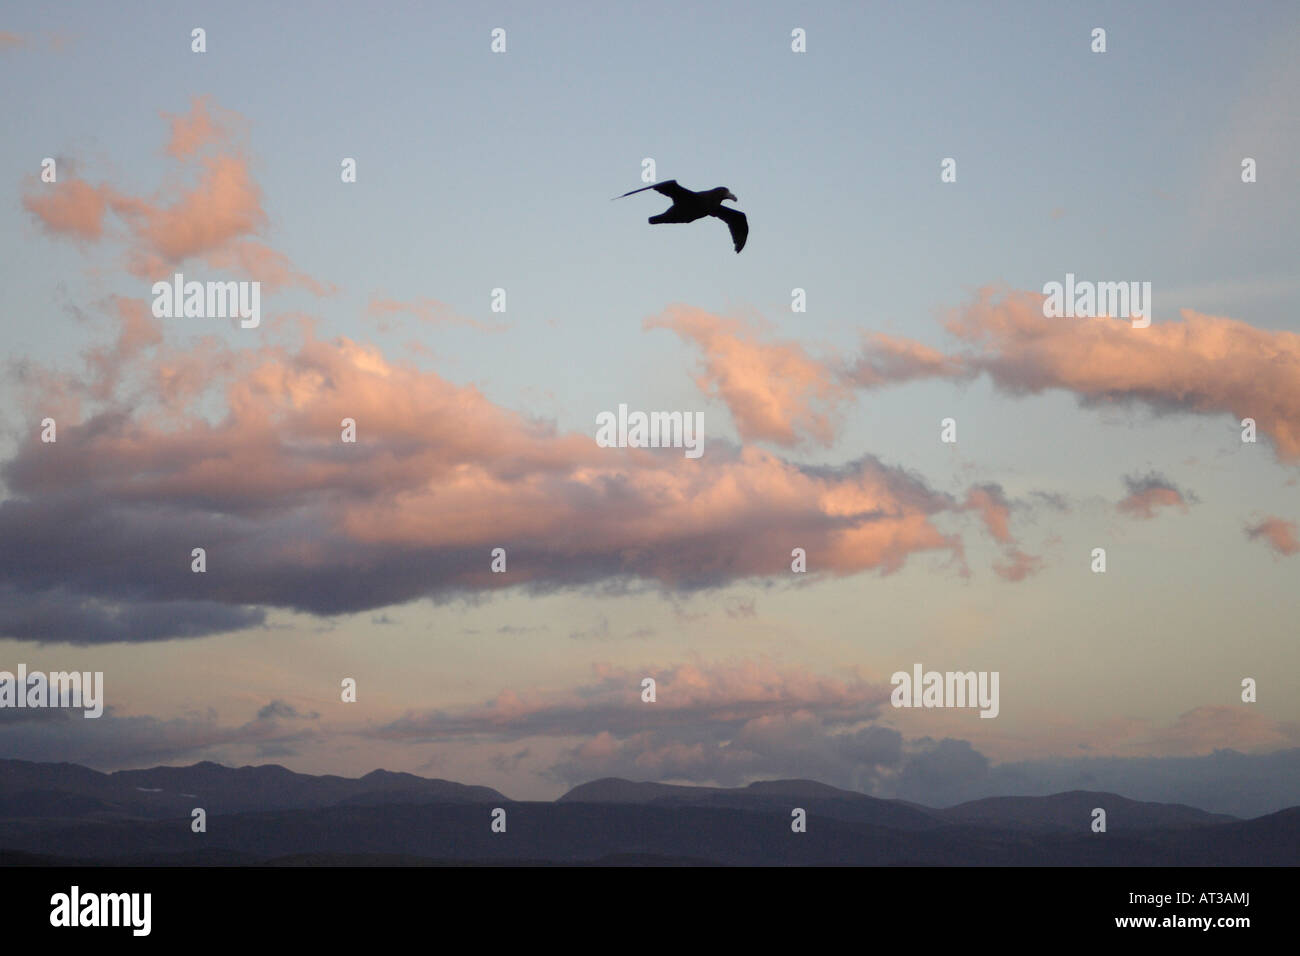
689	205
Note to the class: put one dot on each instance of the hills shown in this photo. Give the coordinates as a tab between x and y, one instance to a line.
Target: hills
52	813
160	792
1062	811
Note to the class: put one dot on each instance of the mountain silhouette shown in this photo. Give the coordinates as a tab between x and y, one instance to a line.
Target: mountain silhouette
61	814
175	791
1062	811
812	796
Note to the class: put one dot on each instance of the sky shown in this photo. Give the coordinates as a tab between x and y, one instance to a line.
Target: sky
479	171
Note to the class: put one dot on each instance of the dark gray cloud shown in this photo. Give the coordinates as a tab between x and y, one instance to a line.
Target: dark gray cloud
63	614
1148	492
285	711
113	742
795	745
1053	500
711	748
1278	533
690	700
97	535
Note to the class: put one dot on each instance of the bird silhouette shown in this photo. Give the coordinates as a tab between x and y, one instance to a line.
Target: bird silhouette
689	205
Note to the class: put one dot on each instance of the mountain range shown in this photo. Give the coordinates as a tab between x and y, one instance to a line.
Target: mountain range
54	813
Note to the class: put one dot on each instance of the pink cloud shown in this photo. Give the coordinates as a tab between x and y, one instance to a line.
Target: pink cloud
992	505
1204	364
190	134
266	265
439	476
73	207
217	219
887	360
1142	504
138	331
224	205
55	42
731	694
775	391
426	310
724	722
995	511
1147	494
1208	728
1018	565
1279	534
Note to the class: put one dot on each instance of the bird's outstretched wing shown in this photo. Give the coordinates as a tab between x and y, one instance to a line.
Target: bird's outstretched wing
668	188
736	222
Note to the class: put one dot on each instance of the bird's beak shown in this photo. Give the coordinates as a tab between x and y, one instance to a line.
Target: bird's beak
732	196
